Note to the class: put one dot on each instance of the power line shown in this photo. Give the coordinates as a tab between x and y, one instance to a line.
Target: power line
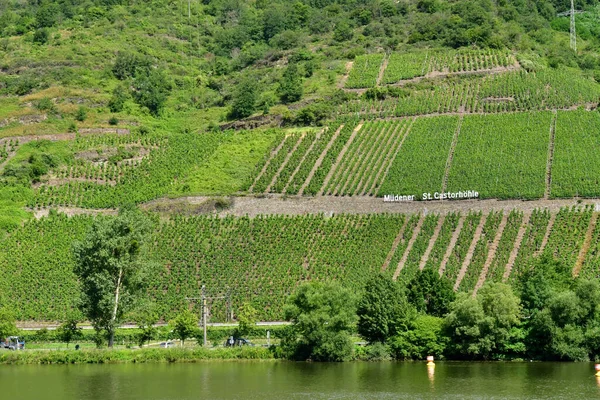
203	302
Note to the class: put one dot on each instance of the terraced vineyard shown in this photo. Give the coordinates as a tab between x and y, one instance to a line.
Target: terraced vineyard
364	71
510	152
547	89
403	66
263	259
420	165
431	154
576	166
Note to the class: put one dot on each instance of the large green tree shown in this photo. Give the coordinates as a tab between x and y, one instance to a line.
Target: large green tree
112	266
383	310
244	99
323	316
290	87
484	327
431	293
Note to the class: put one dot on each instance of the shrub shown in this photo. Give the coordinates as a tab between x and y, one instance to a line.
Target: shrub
81	114
41	36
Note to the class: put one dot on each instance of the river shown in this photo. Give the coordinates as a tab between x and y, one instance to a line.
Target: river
286	380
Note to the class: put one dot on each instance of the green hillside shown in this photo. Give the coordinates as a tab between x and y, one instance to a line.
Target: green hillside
262	260
111	103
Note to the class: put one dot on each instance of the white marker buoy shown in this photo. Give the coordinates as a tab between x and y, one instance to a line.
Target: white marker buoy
597	368
430	360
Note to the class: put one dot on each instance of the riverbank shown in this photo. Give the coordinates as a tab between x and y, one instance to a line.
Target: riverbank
111	356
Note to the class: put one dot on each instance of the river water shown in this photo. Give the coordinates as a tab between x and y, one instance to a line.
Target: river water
286	380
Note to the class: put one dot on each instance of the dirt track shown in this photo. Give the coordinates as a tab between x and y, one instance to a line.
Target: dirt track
253	206
331	205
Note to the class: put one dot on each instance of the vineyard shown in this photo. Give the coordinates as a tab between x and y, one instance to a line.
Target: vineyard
431	154
510	152
263	259
365	71
547	89
403	66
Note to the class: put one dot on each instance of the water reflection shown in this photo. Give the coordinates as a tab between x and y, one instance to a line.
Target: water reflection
287	380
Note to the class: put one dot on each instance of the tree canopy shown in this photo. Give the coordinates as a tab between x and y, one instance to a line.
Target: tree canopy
112	267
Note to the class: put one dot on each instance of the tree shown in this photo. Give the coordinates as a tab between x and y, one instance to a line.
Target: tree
430	293
42	335
151	90
41	36
145	318
424	337
323	316
383	310
482	327
290	86
247	318
568	327
117	101
342	32
185	325
111	265
130	65
47	15
68	331
244	99
537	284
8	326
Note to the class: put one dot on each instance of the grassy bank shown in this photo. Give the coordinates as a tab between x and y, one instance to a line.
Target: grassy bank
107	356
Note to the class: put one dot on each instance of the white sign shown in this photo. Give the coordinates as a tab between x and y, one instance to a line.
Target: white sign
398	198
467	194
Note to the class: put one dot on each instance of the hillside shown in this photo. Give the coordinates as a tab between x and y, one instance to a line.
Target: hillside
183	108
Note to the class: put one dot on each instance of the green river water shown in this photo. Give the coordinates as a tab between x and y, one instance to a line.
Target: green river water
283	380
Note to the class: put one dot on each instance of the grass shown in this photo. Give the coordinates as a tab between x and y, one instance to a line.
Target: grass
231	165
117	356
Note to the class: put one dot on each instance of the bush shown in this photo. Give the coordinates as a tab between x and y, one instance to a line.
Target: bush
113	121
41	36
244	99
81	114
128	65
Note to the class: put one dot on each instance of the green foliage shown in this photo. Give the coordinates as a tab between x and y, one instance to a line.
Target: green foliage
185	325
41	36
8	325
383	310
322	317
482	327
151	90
130	65
290	87
146	316
431	293
81	114
133	356
244	99
247	318
424	337
110	264
68	332
117	101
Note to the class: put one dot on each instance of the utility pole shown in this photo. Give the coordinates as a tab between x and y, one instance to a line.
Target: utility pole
203	299
573	32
